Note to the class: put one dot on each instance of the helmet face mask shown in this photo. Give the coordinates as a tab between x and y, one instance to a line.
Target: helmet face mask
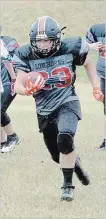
45	37
44	48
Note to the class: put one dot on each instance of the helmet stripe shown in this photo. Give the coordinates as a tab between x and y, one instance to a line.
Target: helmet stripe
41	26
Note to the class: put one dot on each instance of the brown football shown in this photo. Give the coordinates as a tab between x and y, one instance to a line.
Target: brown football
32	76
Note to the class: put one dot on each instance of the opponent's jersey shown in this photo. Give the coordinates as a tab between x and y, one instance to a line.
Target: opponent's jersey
8	47
97	33
59	72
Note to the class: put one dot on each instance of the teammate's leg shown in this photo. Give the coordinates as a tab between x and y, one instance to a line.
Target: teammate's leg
3	137
103	85
12	138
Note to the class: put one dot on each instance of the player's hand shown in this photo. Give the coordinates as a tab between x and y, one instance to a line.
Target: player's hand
32	88
39	83
29	88
97	93
12	86
96	46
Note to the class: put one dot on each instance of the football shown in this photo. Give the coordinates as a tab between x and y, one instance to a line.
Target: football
32	76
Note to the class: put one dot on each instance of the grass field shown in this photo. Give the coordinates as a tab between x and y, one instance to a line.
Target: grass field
30	182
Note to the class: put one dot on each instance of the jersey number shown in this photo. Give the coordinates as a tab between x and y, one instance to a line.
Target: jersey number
57	72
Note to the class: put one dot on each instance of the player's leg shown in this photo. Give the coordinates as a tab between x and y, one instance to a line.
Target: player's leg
67	122
3	137
12	138
103	85
50	132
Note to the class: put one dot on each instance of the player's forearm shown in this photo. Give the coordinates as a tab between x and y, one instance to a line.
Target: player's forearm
91	72
10	69
19	89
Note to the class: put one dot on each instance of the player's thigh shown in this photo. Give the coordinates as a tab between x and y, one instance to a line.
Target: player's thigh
67	120
50	132
50	138
6	98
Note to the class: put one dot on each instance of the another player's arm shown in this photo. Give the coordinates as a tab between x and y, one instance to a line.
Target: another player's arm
90	68
81	58
92	40
9	67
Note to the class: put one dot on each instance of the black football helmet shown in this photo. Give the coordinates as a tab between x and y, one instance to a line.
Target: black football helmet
48	29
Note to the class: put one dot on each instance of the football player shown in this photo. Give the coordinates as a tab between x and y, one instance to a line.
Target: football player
96	37
8	137
57	104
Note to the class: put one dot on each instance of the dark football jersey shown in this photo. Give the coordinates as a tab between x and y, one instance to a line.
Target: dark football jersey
96	33
59	72
11	45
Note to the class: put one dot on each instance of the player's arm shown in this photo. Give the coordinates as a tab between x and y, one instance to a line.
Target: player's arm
24	85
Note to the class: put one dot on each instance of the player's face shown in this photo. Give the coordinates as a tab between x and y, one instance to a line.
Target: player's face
44	44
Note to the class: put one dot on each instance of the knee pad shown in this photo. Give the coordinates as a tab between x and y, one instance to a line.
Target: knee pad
5	119
65	143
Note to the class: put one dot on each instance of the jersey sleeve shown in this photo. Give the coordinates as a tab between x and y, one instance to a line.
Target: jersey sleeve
10	43
12	46
20	62
90	36
80	51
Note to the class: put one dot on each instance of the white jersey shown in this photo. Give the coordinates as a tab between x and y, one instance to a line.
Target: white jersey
1	86
4	52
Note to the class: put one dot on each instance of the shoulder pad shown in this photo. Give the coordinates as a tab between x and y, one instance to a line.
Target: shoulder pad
71	45
98	30
23	52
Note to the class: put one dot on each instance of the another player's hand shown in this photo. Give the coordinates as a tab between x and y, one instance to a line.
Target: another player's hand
32	88
97	93
96	46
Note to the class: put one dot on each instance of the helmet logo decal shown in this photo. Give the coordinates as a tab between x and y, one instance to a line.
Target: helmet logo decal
41	27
